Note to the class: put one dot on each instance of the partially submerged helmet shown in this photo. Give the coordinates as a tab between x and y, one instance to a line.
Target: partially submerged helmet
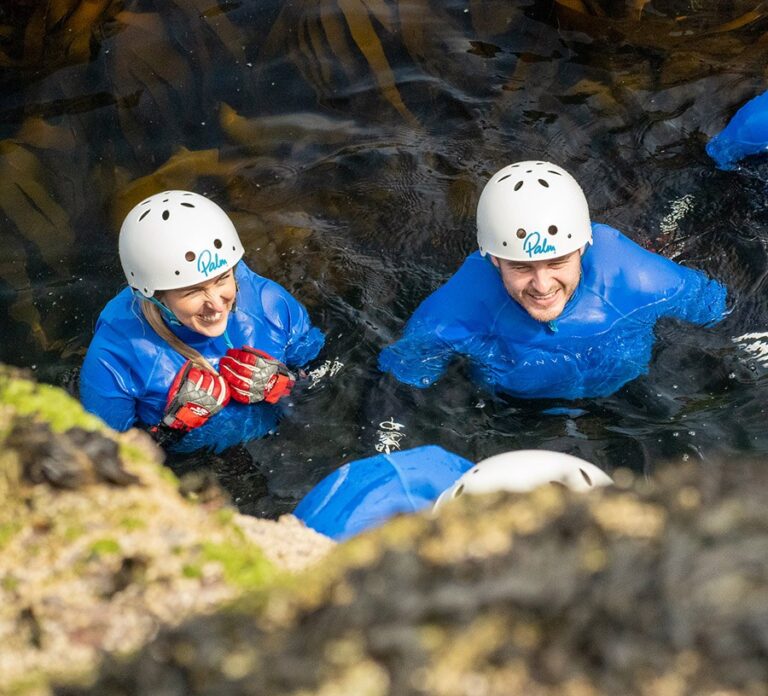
525	470
176	239
531	211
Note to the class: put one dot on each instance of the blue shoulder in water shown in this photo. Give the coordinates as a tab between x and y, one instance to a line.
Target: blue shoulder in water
746	134
365	493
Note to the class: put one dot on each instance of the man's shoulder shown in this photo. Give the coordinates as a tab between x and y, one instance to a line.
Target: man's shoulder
474	284
618	266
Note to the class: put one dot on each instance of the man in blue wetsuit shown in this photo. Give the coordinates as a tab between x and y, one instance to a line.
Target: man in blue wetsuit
552	305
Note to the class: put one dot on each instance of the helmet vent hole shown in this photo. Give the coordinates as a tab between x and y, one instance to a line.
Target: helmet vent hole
166	214
458	491
521	233
144	214
506	176
165	200
513	166
233	248
549	171
585	475
147	201
552	230
188	194
133	275
528	171
177	272
569	235
146	292
188	205
217	243
190	256
518	185
504	244
544	183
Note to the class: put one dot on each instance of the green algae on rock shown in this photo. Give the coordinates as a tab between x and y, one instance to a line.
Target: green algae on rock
97	542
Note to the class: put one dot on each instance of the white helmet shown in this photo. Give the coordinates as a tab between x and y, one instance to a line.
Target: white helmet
530	211
525	470
176	239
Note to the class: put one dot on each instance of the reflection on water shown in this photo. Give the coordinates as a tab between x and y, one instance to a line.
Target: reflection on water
350	138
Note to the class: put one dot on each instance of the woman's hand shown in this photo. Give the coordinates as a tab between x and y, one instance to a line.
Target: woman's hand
254	376
194	397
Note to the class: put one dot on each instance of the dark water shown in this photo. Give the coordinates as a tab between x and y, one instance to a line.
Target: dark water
350	139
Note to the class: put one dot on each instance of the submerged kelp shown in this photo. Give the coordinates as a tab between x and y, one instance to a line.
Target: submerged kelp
98	547
153	76
652	588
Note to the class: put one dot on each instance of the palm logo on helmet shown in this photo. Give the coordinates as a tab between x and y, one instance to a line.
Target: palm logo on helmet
176	239
530	211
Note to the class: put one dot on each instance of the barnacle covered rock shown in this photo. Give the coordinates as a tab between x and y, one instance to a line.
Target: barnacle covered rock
643	588
98	548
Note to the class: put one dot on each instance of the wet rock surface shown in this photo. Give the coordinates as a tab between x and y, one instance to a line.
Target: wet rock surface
646	588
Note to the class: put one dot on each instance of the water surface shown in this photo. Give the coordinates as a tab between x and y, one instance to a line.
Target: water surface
350	139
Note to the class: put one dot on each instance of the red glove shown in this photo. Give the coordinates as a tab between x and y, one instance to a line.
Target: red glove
254	376
194	397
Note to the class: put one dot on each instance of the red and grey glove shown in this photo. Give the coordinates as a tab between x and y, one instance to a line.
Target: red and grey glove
254	376
194	397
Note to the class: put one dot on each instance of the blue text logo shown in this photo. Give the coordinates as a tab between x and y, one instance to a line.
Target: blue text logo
533	245
207	263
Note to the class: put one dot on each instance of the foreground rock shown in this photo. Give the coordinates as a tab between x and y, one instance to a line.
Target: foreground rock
642	589
98	549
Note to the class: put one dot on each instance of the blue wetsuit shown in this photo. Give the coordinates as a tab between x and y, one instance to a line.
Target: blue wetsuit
602	340
746	134
365	493
128	368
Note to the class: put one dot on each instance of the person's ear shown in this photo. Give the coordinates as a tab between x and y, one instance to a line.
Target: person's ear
494	260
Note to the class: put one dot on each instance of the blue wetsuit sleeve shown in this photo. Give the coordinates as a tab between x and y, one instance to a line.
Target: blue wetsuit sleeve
448	323
700	299
419	358
650	284
746	134
305	340
287	316
105	389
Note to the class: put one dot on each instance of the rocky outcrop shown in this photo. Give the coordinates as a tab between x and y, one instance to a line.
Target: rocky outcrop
98	549
645	588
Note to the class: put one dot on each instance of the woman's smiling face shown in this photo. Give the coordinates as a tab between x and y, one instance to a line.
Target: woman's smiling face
204	307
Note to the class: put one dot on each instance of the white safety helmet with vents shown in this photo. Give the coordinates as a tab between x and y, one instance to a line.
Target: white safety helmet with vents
176	239
531	211
525	470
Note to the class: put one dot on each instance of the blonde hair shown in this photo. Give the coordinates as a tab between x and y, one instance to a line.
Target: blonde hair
154	318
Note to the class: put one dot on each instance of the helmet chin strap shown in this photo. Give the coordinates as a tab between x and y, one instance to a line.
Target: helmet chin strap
172	319
168	315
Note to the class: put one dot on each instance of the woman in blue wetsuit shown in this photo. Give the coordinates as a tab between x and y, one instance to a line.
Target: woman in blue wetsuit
551	305
199	348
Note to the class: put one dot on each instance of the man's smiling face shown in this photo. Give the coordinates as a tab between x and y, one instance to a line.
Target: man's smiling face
541	288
